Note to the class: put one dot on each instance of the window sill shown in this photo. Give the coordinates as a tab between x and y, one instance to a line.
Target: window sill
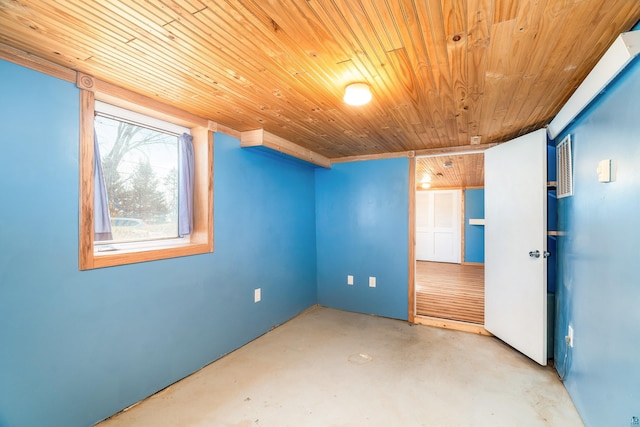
102	248
130	256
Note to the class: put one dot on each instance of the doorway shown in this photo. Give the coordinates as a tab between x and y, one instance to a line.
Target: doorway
449	289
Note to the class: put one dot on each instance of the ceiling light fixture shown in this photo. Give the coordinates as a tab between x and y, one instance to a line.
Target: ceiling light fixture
357	94
425	182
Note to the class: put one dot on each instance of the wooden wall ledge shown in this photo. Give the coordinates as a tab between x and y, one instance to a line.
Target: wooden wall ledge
262	138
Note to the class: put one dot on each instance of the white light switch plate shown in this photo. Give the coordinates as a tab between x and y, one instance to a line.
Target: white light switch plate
604	171
257	295
372	282
570	335
349	279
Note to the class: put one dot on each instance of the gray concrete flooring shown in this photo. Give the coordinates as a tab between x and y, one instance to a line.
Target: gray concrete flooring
333	368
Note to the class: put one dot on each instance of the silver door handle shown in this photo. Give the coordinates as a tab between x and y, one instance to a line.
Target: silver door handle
534	254
546	254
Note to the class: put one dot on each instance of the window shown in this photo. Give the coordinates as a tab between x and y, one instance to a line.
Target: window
131	151
139	159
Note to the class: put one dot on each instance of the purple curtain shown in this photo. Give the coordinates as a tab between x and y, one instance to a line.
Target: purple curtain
185	184
101	220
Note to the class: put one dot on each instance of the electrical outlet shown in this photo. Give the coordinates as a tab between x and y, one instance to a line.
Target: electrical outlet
372	282
349	279
570	336
257	295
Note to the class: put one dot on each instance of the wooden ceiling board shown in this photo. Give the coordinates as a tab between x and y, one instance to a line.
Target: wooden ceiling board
466	171
441	71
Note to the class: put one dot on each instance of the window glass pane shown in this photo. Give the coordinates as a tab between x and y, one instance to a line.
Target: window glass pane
140	167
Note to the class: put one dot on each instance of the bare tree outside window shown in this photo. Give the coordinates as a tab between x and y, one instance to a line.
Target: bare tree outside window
140	170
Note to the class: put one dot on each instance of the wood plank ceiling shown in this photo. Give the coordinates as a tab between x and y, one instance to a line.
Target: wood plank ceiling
441	71
450	171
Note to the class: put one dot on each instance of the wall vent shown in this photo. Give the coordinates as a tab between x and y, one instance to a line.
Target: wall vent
564	168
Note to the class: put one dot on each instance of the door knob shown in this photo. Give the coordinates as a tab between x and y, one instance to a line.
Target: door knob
534	254
546	254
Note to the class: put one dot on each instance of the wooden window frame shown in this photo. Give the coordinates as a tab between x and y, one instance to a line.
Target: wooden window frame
201	130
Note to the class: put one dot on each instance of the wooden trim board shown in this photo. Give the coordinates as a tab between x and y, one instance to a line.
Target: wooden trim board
380	156
262	138
454	325
412	237
36	63
462	226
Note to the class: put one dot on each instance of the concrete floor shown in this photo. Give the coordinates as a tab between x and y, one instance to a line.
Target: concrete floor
332	368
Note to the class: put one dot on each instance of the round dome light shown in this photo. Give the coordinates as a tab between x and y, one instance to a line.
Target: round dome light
357	94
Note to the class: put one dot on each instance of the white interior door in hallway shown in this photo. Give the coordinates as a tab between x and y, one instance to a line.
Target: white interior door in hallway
438	227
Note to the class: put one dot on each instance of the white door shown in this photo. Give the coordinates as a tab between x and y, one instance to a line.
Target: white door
438	225
515	243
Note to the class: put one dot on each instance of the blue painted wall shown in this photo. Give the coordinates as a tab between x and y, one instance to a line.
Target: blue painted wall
473	234
599	266
78	346
362	217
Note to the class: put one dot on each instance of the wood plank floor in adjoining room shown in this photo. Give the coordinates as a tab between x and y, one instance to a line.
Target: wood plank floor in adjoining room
450	291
